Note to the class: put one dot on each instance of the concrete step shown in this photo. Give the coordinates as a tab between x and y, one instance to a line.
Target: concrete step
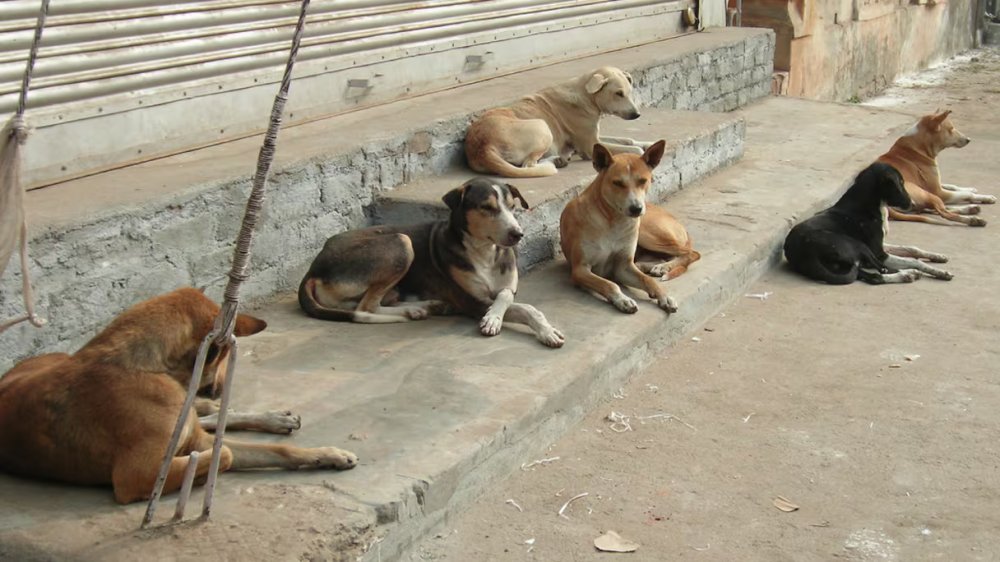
106	241
698	143
437	412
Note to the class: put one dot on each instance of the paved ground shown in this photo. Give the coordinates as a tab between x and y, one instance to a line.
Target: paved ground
874	409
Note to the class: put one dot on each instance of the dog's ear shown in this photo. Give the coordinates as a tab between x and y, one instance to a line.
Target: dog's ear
654	153
940	116
628	77
454	197
247	325
601	158
517	195
596	82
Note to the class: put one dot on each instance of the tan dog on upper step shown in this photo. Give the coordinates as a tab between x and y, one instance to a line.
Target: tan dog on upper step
553	124
915	156
600	230
105	414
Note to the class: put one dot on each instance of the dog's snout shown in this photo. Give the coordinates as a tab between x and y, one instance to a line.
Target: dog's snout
635	210
515	236
633	115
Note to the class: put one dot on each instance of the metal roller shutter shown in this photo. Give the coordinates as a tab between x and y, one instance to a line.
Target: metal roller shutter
121	80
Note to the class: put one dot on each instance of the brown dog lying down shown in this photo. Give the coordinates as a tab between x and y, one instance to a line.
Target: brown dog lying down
599	229
539	132
105	414
915	156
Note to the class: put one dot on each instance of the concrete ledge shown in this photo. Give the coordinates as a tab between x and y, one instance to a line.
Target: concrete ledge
104	242
436	411
699	143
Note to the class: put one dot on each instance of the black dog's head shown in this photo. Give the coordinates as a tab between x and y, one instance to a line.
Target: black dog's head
886	183
482	208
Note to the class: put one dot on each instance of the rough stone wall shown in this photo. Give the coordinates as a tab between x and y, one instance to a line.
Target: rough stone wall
88	273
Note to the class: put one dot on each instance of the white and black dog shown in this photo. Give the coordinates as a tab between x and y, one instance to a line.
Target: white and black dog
465	264
846	241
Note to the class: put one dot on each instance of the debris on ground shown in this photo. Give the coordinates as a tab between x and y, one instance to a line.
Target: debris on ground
539	462
759	296
784	504
514	503
613	542
562	510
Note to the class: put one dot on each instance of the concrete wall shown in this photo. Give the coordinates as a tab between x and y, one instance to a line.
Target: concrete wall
88	272
842	49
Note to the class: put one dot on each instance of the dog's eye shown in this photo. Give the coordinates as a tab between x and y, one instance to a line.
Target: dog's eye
489	209
618	183
641	181
620	94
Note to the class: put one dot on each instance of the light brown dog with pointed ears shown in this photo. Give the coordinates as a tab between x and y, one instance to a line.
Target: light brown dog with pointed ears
599	229
915	156
552	124
105	414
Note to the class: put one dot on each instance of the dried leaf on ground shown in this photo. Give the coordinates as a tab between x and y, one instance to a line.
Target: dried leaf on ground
783	504
613	542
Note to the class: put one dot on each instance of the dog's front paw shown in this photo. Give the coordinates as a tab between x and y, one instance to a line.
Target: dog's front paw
416	313
668	304
625	304
490	325
987	199
936	258
560	162
331	457
551	337
940	274
977	221
280	421
909	275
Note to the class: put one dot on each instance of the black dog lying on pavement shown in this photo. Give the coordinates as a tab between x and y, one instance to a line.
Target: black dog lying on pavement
846	241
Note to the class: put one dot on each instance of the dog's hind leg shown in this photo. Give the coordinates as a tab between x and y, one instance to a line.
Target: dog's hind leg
249	456
904	264
669	269
134	470
914	252
534	319
878	278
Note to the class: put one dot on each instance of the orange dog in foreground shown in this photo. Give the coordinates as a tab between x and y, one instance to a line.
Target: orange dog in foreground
915	156
601	231
104	415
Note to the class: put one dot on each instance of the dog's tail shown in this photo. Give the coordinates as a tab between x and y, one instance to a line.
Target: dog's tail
308	302
493	163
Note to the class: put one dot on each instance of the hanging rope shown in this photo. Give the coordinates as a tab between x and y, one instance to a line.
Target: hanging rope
13	223
225	323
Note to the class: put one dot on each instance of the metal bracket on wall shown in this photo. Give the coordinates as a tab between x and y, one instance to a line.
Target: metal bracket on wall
475	62
359	87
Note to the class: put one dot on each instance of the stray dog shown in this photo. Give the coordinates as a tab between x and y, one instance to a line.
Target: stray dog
846	241
552	124
465	264
105	414
915	156
599	229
